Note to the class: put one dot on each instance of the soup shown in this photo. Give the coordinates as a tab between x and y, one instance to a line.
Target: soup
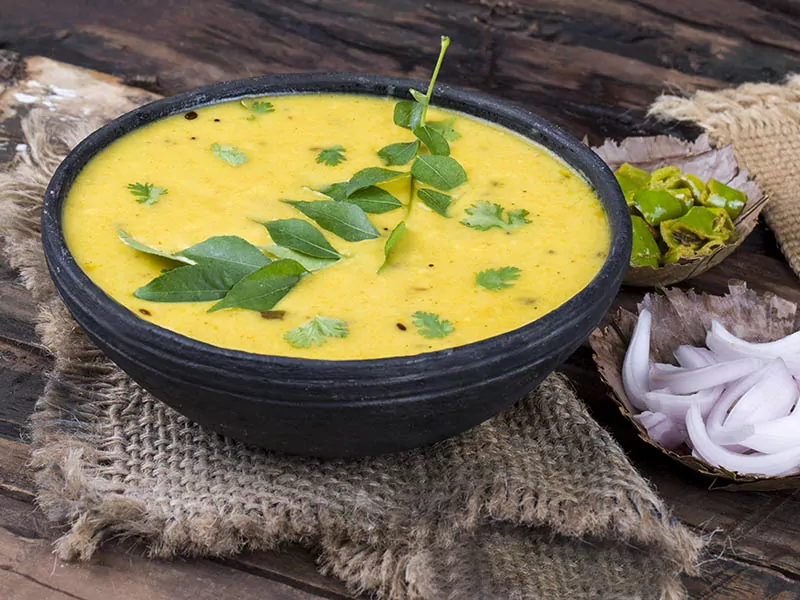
521	235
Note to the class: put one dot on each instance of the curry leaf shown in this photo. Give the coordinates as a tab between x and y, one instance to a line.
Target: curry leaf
408	114
332	156
262	289
234	256
445	128
497	279
430	325
433	140
230	154
344	219
374	200
309	262
337	191
129	241
434	200
441	172
192	283
370	176
397	233
301	236
316	331
399	154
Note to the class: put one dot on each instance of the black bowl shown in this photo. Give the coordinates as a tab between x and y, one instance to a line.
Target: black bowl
337	408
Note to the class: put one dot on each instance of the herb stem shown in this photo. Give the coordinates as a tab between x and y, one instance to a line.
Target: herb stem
412	189
444	45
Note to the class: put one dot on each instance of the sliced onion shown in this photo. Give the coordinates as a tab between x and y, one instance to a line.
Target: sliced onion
636	367
718	414
675	406
773	436
687	381
781	463
662	430
729	347
690	357
771	397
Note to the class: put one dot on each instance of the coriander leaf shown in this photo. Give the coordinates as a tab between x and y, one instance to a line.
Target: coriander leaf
370	176
263	289
337	191
332	156
516	218
434	200
441	172
397	233
234	256
344	219
408	114
262	107
418	96
300	236
430	325
433	140
374	200
192	283
485	215
230	154
146	193
316	331
445	128
129	241
309	262
497	279
258	107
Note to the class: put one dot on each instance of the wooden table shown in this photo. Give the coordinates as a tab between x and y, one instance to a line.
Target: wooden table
593	66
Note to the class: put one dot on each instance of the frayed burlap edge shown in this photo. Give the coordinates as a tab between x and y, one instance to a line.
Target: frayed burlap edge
68	457
762	122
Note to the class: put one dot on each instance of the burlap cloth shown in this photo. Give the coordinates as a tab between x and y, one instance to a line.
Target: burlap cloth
762	122
536	503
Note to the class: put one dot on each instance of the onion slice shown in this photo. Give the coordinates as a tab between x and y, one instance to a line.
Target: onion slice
687	381
780	463
636	366
676	406
690	357
771	397
662	430
729	347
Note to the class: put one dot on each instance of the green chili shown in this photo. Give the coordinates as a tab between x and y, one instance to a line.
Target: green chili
631	180
695	184
645	251
658	205
719	195
665	177
698	226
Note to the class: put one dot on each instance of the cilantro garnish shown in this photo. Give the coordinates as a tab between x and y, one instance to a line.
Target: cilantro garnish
497	279
230	154
316	332
430	325
146	193
332	156
485	215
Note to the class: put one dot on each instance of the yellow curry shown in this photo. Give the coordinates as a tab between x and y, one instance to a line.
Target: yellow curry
433	268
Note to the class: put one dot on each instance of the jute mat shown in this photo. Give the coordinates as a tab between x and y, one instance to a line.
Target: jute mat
762	122
536	503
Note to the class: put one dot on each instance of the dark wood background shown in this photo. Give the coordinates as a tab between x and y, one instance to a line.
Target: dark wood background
594	66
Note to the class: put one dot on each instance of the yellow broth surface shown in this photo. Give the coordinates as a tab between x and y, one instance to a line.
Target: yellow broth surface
433	268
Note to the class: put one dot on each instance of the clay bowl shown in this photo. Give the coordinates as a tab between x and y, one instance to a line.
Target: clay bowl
337	408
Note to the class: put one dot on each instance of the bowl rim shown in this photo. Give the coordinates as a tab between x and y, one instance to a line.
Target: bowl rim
65	271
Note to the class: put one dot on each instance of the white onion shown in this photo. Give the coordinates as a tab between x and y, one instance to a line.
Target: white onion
636	367
771	397
675	406
687	381
736	404
780	463
661	429
690	357
729	347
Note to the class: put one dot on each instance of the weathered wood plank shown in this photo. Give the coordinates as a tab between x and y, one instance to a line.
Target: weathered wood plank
593	66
